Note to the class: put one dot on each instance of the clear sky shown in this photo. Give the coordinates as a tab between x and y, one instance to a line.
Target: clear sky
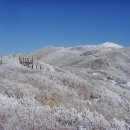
27	25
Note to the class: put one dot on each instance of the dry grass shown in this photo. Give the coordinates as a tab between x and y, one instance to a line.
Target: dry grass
52	100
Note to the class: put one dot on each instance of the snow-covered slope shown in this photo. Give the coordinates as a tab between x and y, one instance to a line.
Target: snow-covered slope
78	88
111	45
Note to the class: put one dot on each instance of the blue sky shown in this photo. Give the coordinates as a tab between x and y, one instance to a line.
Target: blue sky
27	25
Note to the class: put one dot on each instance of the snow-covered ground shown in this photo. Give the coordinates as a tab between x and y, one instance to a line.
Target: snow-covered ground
78	88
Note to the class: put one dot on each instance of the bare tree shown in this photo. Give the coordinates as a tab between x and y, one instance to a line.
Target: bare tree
1	60
40	67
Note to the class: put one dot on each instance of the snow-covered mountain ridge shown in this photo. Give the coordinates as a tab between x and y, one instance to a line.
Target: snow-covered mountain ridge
78	88
110	44
103	45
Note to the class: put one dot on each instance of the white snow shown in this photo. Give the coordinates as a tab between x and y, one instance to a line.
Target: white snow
111	45
80	88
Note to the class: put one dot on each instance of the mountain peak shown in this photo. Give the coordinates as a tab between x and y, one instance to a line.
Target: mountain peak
111	45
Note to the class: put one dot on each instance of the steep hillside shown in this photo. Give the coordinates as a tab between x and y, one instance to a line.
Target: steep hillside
83	88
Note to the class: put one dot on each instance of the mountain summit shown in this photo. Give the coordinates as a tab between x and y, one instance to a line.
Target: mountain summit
111	44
